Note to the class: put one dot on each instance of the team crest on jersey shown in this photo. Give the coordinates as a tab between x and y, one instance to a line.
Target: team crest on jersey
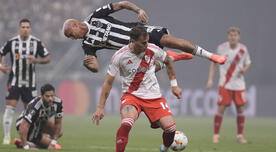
98	24
147	58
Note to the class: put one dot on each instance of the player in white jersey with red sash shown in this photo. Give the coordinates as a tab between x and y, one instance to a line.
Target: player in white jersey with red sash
231	81
141	92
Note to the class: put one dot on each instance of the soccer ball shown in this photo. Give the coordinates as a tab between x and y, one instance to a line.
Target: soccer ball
180	141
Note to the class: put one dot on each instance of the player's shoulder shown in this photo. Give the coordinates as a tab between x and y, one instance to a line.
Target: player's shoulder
36	103
120	52
223	45
57	100
33	38
153	47
15	38
243	46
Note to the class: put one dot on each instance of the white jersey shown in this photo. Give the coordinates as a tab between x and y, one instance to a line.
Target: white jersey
230	78
138	71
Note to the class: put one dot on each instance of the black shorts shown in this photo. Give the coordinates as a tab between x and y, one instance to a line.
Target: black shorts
156	34
26	93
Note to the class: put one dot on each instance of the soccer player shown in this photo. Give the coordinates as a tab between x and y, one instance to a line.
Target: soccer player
100	30
141	92
34	121
24	50
231	81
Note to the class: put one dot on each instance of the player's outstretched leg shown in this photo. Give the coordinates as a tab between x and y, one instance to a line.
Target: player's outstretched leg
186	46
169	127
7	123
240	125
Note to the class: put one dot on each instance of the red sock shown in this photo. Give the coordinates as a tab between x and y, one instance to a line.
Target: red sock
122	134
168	135
240	123
217	123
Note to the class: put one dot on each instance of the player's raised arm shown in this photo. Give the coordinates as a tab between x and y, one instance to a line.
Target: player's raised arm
107	85
176	90
142	16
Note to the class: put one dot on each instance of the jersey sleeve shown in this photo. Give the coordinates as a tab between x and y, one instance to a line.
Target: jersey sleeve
160	55
59	112
31	113
41	50
6	48
90	50
113	67
101	12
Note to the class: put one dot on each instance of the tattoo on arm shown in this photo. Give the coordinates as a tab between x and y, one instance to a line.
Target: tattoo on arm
170	69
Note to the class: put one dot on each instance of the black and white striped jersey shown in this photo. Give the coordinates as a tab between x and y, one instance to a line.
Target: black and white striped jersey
23	73
37	113
106	32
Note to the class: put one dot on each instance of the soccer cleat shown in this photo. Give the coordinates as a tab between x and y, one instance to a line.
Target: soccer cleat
241	139
179	56
216	139
6	140
218	59
58	147
164	149
17	142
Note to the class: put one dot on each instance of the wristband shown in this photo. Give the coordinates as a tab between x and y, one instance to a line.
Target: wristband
53	142
173	83
26	147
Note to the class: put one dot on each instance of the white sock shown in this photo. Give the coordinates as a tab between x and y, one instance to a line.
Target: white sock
7	120
199	51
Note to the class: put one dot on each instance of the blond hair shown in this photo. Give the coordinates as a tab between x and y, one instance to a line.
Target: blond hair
233	29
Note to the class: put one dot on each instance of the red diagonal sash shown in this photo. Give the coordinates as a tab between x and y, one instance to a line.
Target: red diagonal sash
142	69
233	66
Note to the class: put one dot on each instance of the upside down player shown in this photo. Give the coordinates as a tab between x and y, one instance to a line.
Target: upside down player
34	122
231	81
141	90
100	30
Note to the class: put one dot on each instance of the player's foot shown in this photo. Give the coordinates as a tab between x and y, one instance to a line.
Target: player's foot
163	148
218	59
216	139
241	139
6	140
179	56
17	142
58	147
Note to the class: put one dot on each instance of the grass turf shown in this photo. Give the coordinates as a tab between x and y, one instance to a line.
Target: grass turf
80	135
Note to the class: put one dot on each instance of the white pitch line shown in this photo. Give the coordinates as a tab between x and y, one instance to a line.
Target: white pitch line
127	148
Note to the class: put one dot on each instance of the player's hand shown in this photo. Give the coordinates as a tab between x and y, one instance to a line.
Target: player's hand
91	63
4	68
32	59
51	146
98	115
209	84
177	91
242	71
143	17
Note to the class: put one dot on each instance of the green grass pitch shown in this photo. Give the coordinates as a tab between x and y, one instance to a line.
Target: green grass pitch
80	135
